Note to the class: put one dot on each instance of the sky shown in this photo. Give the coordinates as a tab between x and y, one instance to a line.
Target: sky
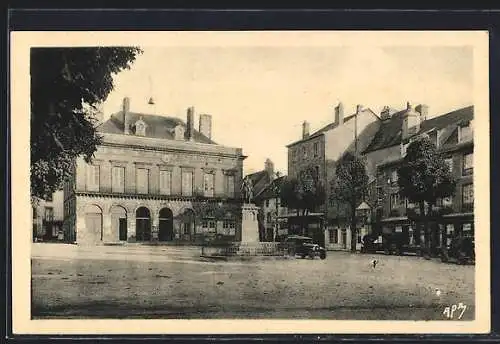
259	96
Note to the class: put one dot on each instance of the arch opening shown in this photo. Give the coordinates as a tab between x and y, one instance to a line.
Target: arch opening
142	224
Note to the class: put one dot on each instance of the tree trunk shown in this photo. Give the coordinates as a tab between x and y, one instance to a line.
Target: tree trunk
423	216
430	230
304	222
354	230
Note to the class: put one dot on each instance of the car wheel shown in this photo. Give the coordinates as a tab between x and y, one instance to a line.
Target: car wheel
303	256
311	255
322	255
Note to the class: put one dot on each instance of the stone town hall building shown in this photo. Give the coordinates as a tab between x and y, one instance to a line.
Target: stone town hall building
154	178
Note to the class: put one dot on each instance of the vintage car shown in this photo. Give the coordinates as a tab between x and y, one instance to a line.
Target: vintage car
460	250
302	246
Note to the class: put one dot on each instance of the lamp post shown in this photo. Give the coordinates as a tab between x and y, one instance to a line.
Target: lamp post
364	211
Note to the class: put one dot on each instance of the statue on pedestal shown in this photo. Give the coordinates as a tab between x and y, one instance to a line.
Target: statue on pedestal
247	189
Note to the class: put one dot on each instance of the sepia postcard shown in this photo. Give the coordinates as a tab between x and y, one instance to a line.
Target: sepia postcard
250	182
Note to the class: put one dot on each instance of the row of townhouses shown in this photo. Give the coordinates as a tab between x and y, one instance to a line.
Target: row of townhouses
382	140
158	178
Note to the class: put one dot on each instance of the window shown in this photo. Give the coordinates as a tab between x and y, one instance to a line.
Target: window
142	180
269	218
316	171
394	177
49	214
204	224
118	179
468	164
333	237
304	152
165	182
449	162
208	185
316	149
228	224
212	226
187	183
34	212
93	178
465	133
467	228
230	185
267	203
229	227
468	194
187	228
395	202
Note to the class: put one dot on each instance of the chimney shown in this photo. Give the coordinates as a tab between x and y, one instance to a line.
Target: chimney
305	130
359	108
206	125
269	167
407	116
385	113
423	110
126	117
339	114
190	123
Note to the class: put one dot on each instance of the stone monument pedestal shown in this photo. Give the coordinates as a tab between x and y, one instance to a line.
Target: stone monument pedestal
249	229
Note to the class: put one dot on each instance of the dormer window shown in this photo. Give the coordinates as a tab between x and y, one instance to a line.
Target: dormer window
140	127
465	132
179	132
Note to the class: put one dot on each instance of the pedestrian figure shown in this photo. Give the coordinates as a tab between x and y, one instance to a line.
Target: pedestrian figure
374	263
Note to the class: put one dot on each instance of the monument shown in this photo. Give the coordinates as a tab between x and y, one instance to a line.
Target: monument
249	221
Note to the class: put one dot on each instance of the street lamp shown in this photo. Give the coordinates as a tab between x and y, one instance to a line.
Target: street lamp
364	211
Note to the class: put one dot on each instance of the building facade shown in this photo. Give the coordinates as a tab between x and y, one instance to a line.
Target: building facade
155	178
48	216
273	217
452	133
322	150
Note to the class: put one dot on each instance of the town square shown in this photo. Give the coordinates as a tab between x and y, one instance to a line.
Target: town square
253	182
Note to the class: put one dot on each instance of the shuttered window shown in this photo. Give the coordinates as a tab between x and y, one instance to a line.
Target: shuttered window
187	183
142	183
93	178
118	179
165	182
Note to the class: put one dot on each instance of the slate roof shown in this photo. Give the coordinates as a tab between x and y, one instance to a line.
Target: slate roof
319	132
389	133
259	180
161	127
267	192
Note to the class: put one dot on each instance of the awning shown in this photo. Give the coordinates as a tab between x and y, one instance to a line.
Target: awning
395	219
295	215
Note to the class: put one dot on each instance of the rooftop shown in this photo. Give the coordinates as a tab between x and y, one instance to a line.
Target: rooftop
389	133
158	126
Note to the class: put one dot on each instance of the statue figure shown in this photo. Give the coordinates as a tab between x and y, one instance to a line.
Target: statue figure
247	189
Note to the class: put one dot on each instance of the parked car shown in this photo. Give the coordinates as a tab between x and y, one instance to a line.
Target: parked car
391	243
303	246
460	250
372	243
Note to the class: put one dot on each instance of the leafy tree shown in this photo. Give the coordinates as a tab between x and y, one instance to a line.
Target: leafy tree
304	193
424	177
67	85
349	187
